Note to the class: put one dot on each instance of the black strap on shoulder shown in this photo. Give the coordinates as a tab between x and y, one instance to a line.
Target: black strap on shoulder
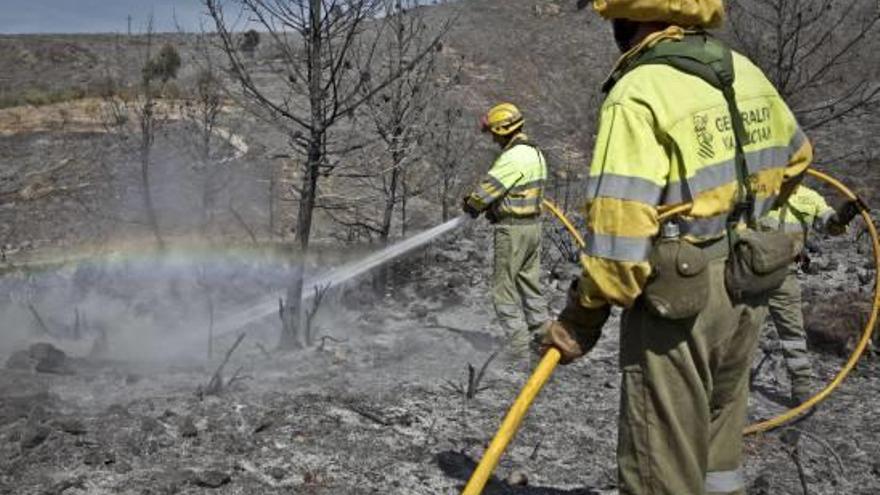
524	140
527	141
703	56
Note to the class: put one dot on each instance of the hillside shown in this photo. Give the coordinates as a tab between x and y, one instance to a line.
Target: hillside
113	350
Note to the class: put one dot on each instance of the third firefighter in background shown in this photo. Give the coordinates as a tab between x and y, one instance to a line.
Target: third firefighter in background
806	209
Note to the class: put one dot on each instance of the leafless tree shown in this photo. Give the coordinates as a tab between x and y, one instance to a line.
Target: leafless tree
207	290
317	80
311	328
399	113
816	52
325	52
473	386
217	383
203	109
451	140
139	105
207	103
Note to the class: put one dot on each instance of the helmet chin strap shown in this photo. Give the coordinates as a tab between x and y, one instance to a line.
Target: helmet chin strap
502	141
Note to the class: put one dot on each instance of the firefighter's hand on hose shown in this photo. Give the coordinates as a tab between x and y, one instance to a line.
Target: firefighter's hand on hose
843	216
847	212
803	261
574	332
468	208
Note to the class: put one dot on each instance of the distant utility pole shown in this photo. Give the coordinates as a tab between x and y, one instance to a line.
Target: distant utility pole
129	24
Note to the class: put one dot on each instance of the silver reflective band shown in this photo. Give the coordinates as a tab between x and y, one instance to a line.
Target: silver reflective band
617	248
794	228
532	184
484	196
495	183
507	308
794	345
717	224
724	172
706	178
799	363
763	206
522	202
625	188
705	227
797	141
724	481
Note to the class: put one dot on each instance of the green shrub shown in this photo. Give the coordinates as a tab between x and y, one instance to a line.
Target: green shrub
249	42
163	66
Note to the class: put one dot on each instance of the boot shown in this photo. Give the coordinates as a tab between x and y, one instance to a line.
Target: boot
801	390
515	355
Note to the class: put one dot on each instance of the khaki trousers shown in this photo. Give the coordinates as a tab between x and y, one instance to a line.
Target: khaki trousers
684	396
784	305
516	286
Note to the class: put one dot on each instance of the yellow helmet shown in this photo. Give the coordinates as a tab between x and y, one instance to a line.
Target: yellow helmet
502	119
684	13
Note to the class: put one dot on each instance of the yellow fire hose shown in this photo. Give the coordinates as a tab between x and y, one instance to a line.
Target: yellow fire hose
550	360
866	333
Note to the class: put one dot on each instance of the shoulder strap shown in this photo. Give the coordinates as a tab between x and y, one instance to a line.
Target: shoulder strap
524	140
527	141
703	56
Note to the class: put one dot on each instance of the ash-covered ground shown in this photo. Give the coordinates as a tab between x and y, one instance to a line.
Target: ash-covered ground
378	404
108	384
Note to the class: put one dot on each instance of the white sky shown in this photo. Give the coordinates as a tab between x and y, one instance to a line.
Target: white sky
97	16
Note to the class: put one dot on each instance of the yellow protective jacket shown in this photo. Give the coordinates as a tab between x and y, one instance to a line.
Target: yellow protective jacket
514	186
665	137
805	209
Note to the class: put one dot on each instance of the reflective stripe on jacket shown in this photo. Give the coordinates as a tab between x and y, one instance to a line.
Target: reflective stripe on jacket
666	137
514	186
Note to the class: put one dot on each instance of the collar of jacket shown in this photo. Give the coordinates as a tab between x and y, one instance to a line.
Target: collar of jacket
520	138
670	33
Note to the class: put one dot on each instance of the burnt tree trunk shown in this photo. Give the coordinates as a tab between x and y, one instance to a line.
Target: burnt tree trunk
293	317
391	195
292	312
147	137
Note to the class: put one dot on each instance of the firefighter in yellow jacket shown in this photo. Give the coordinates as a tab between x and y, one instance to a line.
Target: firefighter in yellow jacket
806	209
510	195
666	137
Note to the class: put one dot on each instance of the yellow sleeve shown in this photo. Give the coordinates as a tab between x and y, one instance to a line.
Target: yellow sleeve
817	210
503	175
629	170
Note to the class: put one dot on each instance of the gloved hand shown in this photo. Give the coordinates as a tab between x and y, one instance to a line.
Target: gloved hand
574	332
847	212
467	208
843	216
803	261
492	215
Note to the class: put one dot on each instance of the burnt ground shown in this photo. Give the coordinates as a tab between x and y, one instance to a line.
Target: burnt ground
377	407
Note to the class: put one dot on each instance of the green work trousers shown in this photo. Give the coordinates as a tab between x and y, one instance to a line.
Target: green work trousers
516	286
684	395
787	315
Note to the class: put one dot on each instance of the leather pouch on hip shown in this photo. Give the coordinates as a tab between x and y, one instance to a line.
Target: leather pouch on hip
679	284
758	262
